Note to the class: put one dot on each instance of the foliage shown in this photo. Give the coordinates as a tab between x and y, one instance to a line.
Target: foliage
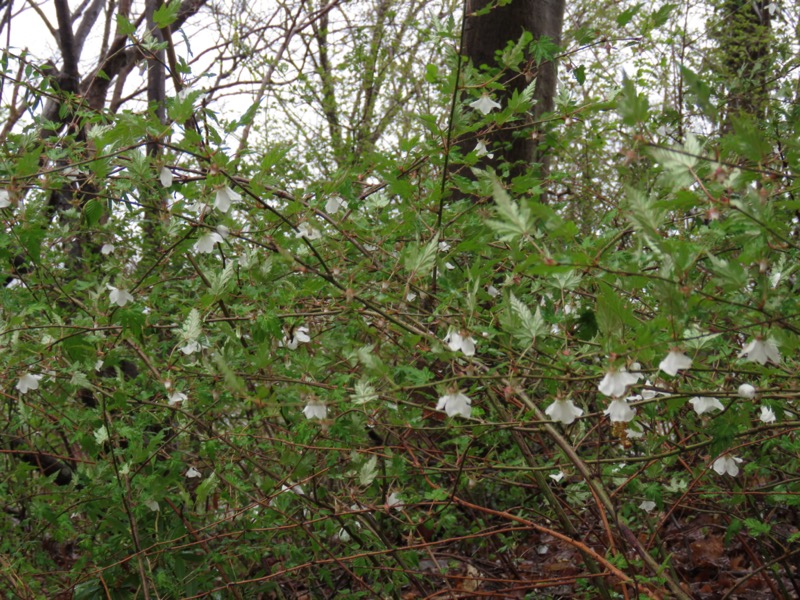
227	371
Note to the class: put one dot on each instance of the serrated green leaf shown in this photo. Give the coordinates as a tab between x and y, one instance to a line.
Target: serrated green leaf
192	327
420	261
515	221
368	471
363	393
167	14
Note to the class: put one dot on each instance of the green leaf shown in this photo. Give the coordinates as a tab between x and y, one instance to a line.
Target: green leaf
530	325
124	26
515	221
192	327
93	212
680	162
368	471
167	14
632	107
579	73
420	261
431	73
625	16
364	392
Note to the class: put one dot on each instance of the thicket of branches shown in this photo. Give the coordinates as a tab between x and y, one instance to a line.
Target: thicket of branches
269	331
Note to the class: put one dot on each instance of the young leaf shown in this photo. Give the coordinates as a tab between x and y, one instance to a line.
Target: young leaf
515	221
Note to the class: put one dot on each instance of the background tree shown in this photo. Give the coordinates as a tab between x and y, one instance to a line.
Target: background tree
490	28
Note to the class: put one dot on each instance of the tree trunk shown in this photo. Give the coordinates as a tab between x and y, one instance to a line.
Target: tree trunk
484	35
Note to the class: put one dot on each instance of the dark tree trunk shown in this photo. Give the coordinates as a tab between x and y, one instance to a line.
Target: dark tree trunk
485	35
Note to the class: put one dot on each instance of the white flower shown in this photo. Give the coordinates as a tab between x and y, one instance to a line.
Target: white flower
315	409
152	505
455	404
192	472
295	489
225	197
191	347
299	336
176	397
746	391
702	404
761	351
484	104
563	411
648	394
674	362
304	230
634	434
5	199
27	382
455	341
482	150
205	243
493	291
410	297
107	249
647	505
119	296
767	415
615	383
333	204
727	464
223	231
557	476
619	411
165	177
394	501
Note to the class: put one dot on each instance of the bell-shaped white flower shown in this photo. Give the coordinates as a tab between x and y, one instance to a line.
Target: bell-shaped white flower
455	341
5	199
615	383
727	464
702	404
484	104
119	296
206	242
192	472
107	249
394	501
761	351
482	150
333	204
223	231
674	362
455	404
492	291
315	409
304	230
557	476
225	196
191	347
564	411
176	397
767	415
648	394
746	391
28	381
299	336
165	177
619	411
